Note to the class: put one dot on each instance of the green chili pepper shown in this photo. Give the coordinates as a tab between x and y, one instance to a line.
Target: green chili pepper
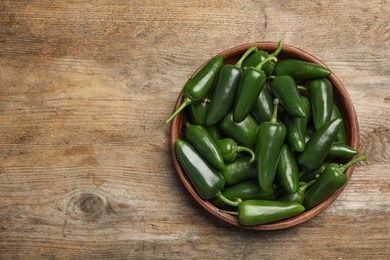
264	106
342	135
251	83
285	89
205	178
198	136
199	86
338	149
230	148
341	150
306	175
239	170
245	191
318	145
214	132
225	89
321	95
260	55
198	112
332	179
287	170
243	132
269	140
300	70
257	212
296	127
298	196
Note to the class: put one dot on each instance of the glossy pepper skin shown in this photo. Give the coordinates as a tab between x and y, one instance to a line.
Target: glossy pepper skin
251	83
287	170
205	178
341	150
244	190
333	178
269	141
199	86
198	136
256	212
342	135
239	170
264	106
260	55
230	149
300	70
225	89
298	196
321	95
243	132
198	112
318	145
285	89
296	127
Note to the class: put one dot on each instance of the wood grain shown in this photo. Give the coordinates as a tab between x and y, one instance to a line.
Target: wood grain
85	88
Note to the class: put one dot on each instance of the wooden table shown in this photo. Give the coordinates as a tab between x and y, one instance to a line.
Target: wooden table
85	88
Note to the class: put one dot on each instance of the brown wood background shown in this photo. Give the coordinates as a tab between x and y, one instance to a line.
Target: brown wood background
85	87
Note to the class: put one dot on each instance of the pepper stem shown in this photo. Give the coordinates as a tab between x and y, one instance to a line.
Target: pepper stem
245	55
186	102
303	188
278	50
274	119
235	203
269	58
350	163
248	150
300	87
235	213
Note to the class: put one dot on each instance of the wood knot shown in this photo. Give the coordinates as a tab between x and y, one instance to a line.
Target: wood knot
88	206
91	205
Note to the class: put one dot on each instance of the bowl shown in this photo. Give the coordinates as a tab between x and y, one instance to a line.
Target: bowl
341	99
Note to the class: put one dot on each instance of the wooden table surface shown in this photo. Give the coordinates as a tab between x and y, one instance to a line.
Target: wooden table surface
85	87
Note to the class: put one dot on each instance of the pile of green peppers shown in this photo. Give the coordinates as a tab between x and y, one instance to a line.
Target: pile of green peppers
263	138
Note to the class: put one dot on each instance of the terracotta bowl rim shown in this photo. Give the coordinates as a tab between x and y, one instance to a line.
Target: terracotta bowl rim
350	119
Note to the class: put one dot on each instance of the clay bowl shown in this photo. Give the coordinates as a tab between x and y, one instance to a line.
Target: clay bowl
342	100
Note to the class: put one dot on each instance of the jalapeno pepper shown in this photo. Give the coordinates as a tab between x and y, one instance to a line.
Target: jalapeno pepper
243	132
285	89
198	136
338	149
318	145
225	89
260	55
214	132
257	212
341	150
205	178
244	190
300	70
321	95
199	86
287	170
198	112
269	140
230	148
298	196
264	106
239	170
296	127
251	83
333	178
306	175
342	135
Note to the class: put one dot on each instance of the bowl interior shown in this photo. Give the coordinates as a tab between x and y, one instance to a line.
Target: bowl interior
341	99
